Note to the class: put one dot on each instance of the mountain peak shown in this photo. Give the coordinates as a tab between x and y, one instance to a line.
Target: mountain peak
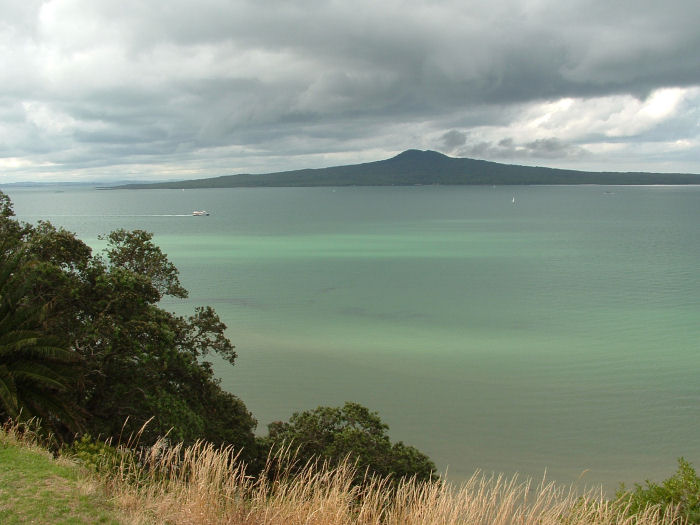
415	154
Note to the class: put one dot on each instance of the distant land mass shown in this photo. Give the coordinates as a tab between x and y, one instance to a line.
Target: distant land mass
414	167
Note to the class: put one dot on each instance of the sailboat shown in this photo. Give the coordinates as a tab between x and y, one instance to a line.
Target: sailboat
513	199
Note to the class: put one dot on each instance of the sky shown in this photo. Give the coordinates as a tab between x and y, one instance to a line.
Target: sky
97	90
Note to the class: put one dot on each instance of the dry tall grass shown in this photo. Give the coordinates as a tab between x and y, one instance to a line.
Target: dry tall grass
205	485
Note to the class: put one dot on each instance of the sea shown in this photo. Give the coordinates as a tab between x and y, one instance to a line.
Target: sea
548	331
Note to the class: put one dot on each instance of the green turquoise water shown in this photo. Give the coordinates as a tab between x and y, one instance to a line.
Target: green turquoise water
560	332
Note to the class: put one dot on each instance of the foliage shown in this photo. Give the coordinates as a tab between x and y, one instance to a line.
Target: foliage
34	367
682	490
135	251
137	361
10	230
350	432
93	454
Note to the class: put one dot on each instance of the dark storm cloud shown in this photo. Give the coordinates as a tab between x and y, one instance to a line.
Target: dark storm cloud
503	51
221	84
507	148
453	139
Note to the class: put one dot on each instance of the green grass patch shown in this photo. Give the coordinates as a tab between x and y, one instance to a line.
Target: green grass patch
35	488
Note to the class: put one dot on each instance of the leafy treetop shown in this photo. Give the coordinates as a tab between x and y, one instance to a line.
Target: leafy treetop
350	432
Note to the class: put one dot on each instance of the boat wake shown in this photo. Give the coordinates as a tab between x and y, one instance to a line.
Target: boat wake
117	215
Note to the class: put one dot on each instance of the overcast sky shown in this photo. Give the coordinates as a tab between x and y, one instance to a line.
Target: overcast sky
176	89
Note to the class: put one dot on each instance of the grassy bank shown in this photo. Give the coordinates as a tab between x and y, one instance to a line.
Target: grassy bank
205	485
36	488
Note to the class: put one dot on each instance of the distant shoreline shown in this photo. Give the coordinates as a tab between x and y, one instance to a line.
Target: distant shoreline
602	185
410	168
95	186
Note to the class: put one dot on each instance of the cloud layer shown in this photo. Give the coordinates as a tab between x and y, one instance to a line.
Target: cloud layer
96	89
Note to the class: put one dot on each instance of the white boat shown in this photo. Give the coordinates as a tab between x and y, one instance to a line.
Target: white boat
200	213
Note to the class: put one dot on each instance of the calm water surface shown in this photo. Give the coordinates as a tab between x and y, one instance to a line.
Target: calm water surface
559	333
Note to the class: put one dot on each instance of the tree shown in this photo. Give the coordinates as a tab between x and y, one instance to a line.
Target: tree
135	251
138	362
353	432
34	368
148	363
10	230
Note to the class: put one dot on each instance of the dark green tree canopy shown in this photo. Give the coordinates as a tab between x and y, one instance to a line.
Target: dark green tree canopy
35	368
135	251
351	431
135	361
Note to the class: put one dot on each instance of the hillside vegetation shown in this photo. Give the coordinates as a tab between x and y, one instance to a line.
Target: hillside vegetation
86	346
205	485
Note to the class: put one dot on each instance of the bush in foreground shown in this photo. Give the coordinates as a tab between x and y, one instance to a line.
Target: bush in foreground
349	433
680	492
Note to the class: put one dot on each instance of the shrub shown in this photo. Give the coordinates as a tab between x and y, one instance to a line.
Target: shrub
95	455
349	433
681	491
